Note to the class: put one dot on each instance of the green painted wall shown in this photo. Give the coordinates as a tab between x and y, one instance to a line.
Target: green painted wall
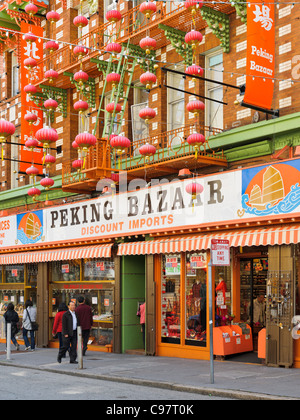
132	292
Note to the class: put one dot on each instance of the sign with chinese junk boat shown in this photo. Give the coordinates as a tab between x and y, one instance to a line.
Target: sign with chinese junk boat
261	192
260	53
29	75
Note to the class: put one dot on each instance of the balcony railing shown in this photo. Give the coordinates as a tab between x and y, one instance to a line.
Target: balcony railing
172	152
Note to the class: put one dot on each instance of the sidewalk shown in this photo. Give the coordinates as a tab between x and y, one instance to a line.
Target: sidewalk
232	379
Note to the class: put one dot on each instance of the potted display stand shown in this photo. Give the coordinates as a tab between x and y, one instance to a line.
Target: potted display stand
231	340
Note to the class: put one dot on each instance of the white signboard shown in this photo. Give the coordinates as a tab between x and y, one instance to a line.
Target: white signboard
220	252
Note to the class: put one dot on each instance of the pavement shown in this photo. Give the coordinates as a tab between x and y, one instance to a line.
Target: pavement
231	379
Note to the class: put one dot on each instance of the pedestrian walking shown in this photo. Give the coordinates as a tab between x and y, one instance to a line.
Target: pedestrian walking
12	317
29	322
69	334
57	325
85	316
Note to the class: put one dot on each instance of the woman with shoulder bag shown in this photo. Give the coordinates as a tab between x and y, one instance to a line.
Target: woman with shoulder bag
29	325
12	317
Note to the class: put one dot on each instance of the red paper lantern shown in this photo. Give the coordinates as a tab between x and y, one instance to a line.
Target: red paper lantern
113	16
53	16
34	193
194	70
47	183
120	143
31	9
195	107
193	38
113	78
30	89
29	37
81	106
147	150
30	117
6	129
31	143
115	177
32	171
80	21
30	63
51	75
113	47
51	46
50	105
48	160
75	145
193	5
147	114
148	8
112	106
77	164
196	140
80	51
148	79
46	136
194	189
85	140
148	44
81	77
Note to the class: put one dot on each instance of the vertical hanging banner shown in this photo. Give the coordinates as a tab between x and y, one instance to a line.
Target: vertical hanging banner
32	50
260	53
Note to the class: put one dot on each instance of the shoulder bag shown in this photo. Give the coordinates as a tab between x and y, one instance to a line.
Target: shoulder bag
34	325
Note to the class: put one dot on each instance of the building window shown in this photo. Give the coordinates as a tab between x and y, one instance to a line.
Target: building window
14	75
170	297
140	130
214	110
176	108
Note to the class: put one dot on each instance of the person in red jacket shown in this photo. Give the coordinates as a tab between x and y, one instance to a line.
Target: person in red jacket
57	326
85	316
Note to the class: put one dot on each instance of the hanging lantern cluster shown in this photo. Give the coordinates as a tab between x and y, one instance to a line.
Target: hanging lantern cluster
148	8
196	140
194	189
193	6
149	79
148	44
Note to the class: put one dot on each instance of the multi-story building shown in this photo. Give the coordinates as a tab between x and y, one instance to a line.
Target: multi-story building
145	232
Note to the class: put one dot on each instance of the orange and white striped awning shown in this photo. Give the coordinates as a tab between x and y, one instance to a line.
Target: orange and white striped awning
93	251
287	234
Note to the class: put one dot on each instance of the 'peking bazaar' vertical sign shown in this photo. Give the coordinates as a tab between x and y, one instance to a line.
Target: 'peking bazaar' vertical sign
260	53
33	50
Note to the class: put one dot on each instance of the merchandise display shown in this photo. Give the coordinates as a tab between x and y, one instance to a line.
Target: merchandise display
170	308
232	339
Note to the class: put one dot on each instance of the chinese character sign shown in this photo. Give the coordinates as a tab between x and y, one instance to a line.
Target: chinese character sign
260	54
33	50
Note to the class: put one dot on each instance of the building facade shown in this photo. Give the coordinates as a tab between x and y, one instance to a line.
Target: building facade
123	226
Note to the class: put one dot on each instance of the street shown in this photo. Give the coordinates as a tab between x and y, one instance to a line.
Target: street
29	384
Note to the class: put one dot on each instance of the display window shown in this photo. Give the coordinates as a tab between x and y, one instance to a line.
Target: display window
196	299
95	270
170	297
223	303
62	271
17	298
14	274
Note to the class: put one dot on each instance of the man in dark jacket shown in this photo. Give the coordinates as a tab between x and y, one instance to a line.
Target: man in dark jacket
85	316
70	323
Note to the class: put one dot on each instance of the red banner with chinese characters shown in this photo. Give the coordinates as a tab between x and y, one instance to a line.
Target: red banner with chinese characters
260	53
33	50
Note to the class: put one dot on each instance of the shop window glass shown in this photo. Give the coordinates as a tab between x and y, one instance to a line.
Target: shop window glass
224	315
14	274
95	270
32	273
170	298
101	302
196	299
66	270
7	296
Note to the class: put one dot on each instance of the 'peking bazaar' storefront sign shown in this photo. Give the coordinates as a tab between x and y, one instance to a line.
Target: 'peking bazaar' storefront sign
228	197
260	53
